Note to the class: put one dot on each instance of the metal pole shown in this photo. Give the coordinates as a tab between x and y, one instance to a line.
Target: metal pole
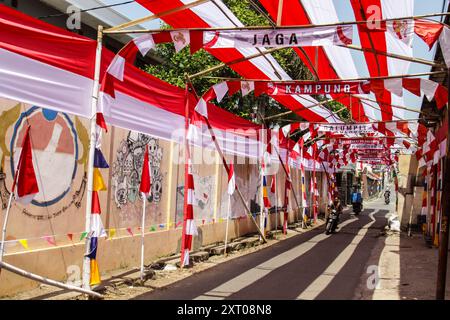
443	243
50	282
226	230
224	162
276	204
144	200
5	223
289	27
92	144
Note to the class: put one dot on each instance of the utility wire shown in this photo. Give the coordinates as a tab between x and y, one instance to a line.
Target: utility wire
86	10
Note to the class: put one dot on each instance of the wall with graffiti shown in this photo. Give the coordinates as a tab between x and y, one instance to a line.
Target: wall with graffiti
56	216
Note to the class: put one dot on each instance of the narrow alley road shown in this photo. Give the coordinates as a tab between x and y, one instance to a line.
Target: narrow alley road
308	266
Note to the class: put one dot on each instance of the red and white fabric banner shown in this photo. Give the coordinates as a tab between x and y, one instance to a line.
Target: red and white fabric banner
301	37
189	226
289	88
231	180
361	128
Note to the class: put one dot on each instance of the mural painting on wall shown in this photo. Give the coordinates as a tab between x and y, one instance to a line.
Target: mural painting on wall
59	147
251	193
126	176
204	199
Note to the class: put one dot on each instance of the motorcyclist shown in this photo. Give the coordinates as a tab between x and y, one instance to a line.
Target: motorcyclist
336	205
356	197
387	193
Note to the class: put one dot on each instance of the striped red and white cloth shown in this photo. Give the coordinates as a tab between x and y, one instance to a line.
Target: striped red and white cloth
189	226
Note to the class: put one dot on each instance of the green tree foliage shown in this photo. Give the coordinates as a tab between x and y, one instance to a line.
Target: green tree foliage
177	65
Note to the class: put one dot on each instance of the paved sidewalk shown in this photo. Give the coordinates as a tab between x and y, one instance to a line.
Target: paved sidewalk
407	270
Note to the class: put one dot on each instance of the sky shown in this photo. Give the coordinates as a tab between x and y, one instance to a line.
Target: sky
345	13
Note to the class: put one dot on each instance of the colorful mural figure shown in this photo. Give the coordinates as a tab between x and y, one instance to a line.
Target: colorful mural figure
57	150
128	166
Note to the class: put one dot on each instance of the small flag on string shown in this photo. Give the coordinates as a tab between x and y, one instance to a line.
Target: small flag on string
24	243
70	236
153	228
130	231
99	183
83	235
50	240
99	160
112	233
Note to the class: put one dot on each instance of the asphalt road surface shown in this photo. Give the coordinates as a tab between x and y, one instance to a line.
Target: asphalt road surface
307	266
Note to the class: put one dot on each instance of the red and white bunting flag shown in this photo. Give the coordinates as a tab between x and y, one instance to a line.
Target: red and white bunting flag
145	186
202	107
143	44
444	41
394	86
180	39
247	87
428	31
220	90
25	185
273	184
231	180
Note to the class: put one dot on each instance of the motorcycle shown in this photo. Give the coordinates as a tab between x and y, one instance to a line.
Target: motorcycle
387	195
332	222
357	208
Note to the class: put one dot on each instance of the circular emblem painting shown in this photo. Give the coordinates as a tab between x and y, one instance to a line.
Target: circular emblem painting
55	152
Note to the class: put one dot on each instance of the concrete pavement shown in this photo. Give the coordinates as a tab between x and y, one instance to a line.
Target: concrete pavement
307	266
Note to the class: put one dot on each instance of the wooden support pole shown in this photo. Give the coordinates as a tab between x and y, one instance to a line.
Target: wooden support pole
300	109
280	12
394	55
412	75
222	65
35	277
443	236
290	27
154	16
224	162
92	146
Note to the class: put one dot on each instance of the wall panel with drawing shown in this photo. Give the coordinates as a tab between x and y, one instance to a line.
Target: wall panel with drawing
45	237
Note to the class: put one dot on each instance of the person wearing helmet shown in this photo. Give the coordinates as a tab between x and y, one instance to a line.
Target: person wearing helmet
337	206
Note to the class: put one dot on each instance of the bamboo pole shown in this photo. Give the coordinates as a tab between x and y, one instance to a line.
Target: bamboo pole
225	251
300	109
224	162
445	228
335	80
92	145
154	16
222	65
35	277
392	105
290	27
280	12
290	179
394	55
144	200
5	223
